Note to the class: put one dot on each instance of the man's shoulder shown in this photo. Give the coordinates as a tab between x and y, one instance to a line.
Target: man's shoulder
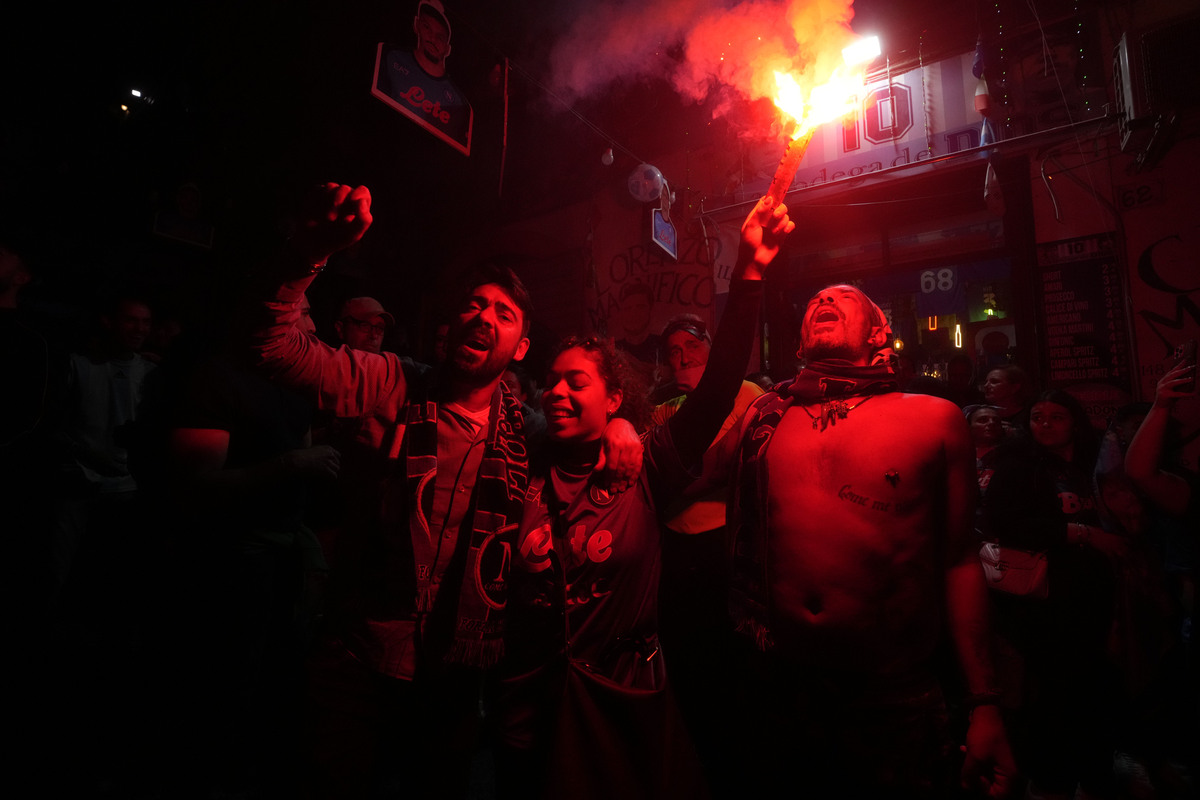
932	419
922	404
750	389
420	380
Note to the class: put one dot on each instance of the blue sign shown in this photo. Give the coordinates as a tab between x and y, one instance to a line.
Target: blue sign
434	103
663	233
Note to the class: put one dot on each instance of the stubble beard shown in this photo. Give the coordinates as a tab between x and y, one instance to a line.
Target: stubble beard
823	348
479	373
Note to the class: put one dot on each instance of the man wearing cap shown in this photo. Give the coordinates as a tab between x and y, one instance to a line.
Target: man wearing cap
686	345
362	324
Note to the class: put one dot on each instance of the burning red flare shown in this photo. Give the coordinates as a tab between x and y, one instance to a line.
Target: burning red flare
830	100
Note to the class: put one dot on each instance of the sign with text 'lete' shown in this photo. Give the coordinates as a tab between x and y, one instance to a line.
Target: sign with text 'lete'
434	103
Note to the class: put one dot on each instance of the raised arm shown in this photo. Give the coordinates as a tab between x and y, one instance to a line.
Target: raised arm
700	418
1143	460
989	766
344	381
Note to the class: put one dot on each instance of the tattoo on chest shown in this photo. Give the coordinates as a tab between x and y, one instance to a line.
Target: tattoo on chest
847	495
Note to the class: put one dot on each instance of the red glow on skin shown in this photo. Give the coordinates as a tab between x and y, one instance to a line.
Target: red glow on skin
576	399
199	450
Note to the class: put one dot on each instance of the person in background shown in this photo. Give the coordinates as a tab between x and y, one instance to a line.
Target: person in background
105	388
1060	690
986	434
686	343
1010	389
1169	492
693	596
441	335
636	303
243	468
961	388
362	323
1145	459
100	541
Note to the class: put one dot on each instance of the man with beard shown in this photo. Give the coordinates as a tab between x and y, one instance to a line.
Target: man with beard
852	518
416	598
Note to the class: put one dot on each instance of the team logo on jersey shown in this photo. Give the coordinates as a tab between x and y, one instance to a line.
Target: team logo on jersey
491	569
598	496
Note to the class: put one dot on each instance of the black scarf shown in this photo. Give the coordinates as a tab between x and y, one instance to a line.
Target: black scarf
494	515
824	380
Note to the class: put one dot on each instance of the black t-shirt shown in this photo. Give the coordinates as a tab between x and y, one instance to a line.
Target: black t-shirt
264	420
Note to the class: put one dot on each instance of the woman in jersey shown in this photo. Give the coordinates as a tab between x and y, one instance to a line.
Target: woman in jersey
584	709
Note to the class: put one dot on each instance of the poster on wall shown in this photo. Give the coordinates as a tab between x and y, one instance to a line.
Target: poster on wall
414	82
640	285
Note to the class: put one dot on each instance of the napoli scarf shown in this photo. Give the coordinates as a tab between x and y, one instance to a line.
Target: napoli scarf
494	514
826	382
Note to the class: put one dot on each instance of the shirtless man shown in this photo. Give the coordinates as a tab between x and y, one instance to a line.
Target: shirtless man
854	514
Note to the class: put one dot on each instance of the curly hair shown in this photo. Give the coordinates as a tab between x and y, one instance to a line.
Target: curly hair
617	373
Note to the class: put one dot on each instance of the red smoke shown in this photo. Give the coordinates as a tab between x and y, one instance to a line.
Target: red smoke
703	51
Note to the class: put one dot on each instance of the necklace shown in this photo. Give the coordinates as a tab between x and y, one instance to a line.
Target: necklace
831	411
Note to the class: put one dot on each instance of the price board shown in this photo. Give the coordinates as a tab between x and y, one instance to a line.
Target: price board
1082	302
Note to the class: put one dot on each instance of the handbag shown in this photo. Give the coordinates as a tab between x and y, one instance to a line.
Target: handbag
1019	572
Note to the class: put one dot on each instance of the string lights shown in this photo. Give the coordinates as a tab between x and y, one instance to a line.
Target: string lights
1002	58
1084	84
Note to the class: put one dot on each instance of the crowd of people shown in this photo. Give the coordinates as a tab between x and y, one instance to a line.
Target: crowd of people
279	567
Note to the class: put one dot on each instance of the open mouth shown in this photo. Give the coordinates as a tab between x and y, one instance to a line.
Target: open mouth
479	343
559	413
827	315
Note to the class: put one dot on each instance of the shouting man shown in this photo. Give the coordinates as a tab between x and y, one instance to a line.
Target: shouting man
852	518
417	596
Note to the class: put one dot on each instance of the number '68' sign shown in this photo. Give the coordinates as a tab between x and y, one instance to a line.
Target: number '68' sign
937	280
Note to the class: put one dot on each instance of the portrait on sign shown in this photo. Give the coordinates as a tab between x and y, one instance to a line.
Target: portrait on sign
413	80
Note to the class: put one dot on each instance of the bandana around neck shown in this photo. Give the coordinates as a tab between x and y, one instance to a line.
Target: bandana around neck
835	378
828	382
